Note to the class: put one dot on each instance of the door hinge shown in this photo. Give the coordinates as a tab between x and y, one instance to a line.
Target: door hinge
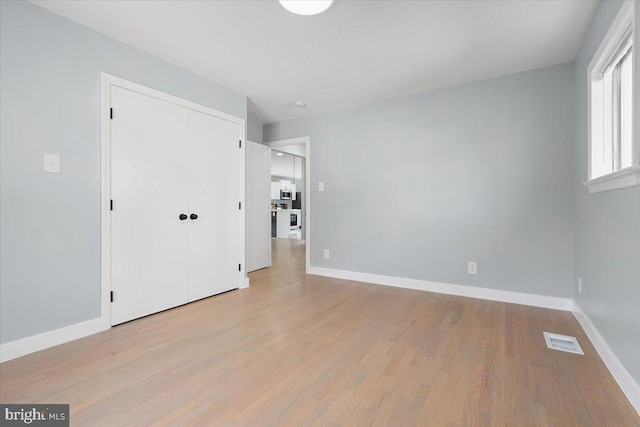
111	204
239	205
111	296
239	267
111	113
240	144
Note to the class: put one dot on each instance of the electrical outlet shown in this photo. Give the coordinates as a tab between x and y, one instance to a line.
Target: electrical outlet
52	163
321	186
579	285
327	255
472	267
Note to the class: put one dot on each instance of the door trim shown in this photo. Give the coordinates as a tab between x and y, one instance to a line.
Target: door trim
306	141
108	80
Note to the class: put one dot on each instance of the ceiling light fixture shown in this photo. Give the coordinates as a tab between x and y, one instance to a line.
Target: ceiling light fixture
306	7
299	104
279	154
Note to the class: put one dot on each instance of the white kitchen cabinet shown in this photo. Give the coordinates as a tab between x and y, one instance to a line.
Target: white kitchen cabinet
283	224
275	190
284	184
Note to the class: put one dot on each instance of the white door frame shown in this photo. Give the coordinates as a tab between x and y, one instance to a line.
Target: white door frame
109	80
306	141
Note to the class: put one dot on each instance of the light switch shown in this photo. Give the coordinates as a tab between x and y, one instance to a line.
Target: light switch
321	186
52	163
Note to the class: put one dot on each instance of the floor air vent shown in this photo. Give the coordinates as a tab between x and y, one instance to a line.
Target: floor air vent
562	343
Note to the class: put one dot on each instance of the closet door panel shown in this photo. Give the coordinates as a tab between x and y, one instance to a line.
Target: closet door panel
149	192
214	193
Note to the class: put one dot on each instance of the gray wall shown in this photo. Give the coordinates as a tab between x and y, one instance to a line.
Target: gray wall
254	129
607	235
50	224
418	186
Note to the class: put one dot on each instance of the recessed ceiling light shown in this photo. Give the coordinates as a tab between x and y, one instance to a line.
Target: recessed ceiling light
299	104
306	7
279	154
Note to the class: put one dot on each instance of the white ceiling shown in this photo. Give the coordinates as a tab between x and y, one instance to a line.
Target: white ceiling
357	52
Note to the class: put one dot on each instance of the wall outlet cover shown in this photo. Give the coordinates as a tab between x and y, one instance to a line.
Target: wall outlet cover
52	163
472	267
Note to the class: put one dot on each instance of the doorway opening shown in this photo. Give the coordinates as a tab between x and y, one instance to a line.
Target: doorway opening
291	198
287	195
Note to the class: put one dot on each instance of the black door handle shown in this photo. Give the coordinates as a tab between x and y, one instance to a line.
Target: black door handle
193	216
182	217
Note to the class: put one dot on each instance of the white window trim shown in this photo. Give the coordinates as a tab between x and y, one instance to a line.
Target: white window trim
629	176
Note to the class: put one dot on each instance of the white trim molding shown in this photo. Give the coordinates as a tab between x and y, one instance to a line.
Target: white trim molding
600	174
555	303
629	387
628	177
22	347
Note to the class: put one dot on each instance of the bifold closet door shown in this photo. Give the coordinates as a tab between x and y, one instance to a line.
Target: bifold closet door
149	192
214	193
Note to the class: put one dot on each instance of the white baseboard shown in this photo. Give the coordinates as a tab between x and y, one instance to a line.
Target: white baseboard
34	343
22	347
556	303
629	387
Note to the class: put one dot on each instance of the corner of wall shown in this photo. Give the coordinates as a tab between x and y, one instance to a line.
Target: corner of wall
629	387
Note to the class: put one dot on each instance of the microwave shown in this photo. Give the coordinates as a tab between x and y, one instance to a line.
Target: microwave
285	194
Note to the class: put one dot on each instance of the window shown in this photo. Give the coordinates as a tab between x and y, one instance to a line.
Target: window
613	156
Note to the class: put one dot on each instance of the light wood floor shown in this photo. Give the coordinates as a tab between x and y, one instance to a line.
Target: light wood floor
306	350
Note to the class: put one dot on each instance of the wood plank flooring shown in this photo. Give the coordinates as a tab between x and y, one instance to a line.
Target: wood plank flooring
298	350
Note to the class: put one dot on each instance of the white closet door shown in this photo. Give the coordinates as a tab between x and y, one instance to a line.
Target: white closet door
214	194
149	192
258	215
